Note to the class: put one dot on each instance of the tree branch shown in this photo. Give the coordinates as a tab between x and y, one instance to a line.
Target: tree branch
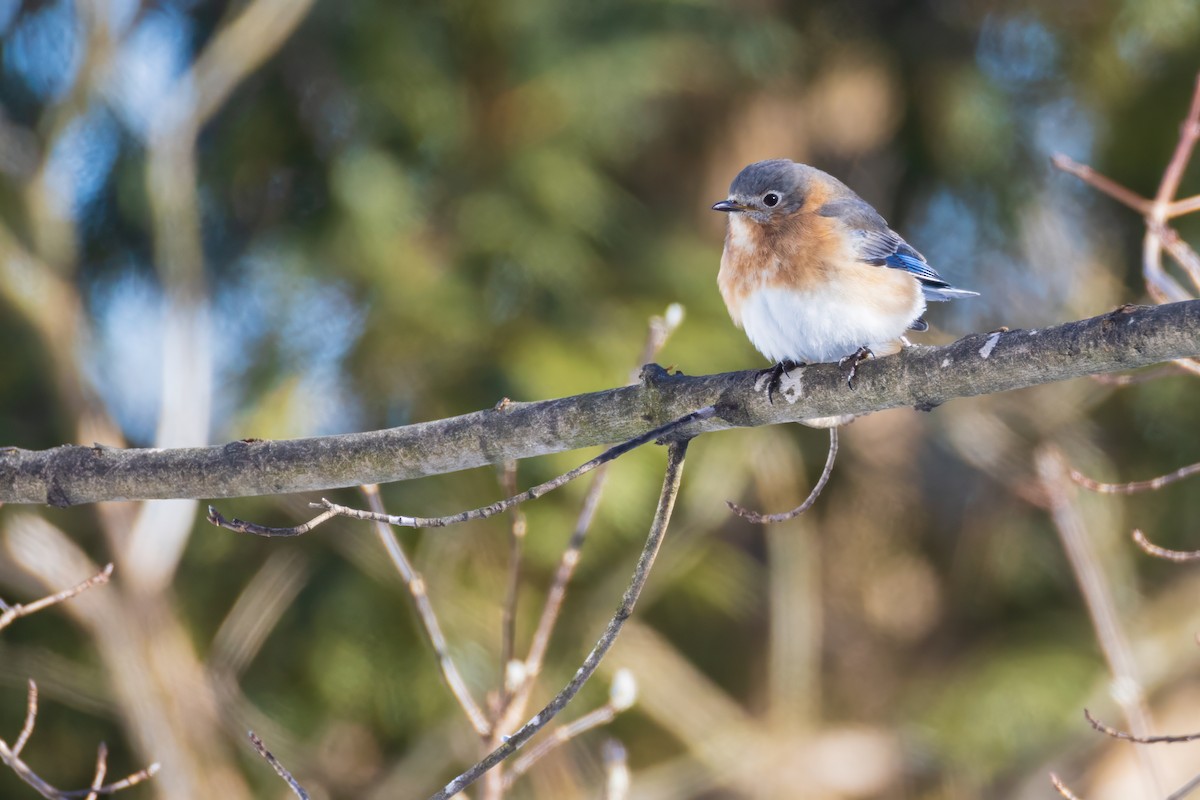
658	529
924	377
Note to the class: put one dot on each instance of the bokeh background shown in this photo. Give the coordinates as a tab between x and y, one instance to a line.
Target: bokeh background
281	218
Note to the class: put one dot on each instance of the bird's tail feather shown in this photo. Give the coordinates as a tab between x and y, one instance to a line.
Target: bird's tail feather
941	293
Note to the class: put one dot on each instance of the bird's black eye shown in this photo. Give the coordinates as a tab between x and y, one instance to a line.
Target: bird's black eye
770	199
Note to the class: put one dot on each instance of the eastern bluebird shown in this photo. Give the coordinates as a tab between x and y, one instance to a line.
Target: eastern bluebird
814	274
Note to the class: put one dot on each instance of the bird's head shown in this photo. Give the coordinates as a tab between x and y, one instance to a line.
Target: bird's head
767	191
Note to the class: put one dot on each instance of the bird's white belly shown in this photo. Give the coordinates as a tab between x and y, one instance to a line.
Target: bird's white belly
820	325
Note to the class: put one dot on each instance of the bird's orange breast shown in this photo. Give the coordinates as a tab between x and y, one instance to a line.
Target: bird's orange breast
797	252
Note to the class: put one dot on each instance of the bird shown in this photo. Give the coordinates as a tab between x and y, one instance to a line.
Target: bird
813	274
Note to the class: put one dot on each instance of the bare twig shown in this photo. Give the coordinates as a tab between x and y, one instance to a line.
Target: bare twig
333	509
14	612
658	528
1181	251
1185	206
429	622
1135	486
1062	788
508	622
1161	285
1189	133
31	709
559	736
659	331
518	678
657	334
101	769
11	757
1108	730
764	519
1097	595
620	697
616	771
1185	790
279	768
241	526
1108	186
554	601
1162	552
112	788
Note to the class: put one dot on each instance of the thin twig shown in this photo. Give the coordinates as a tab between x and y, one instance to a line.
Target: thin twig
429	622
1189	133
31	710
657	334
658	528
508	622
554	601
279	768
333	509
39	784
1104	184
1185	206
616	771
764	519
560	736
621	696
1185	790
101	769
1135	486
113	788
1162	552
16	611
1108	730
1062	787
1181	251
1162	286
1097	595
241	526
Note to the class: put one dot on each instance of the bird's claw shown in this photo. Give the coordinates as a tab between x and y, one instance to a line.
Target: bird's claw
854	359
775	377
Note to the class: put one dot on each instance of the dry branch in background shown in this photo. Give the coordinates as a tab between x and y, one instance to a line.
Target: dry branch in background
10	755
507	706
13	612
279	768
1062	788
658	528
784	516
922	377
1135	486
1108	730
429	621
1097	593
1162	552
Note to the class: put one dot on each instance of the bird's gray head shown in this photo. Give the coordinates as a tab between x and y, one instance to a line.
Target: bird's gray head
768	190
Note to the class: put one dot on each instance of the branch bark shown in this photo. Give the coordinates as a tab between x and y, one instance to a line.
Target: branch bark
923	377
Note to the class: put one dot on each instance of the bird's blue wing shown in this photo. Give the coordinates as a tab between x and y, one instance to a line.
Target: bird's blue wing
879	245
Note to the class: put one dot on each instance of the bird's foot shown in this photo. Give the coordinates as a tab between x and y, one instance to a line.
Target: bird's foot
775	377
854	359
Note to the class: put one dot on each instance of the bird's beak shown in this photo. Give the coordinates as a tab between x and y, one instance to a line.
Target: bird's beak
728	206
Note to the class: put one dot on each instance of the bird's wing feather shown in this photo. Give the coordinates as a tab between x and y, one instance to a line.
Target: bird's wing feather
879	245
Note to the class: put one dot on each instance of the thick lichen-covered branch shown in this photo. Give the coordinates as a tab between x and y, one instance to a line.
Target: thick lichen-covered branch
921	377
